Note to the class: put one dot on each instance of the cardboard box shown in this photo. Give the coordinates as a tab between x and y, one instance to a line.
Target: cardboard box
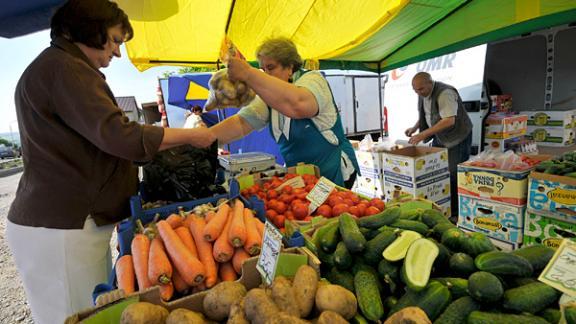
541	228
371	186
503	145
496	220
248	180
550	136
432	189
370	163
503	125
554	118
501	103
445	206
499	244
552	194
415	163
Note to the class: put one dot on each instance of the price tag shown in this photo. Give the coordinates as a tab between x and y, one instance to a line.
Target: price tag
268	259
318	195
296	182
560	272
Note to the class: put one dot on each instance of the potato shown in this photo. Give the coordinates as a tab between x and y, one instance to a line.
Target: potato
259	307
337	299
330	317
284	296
228	89
143	313
409	315
185	316
237	315
283	318
219	299
305	285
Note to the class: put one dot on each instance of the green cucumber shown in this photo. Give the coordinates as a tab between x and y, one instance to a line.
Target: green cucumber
369	233
411	214
358	319
462	264
373	251
458	287
458	311
368	295
411	226
440	228
386	217
418	263
351	235
431	217
452	239
476	243
327	259
330	238
538	255
502	263
552	315
342	258
390	302
341	278
478	317
530	298
397	250
388	272
570	314
485	287
513	282
433	300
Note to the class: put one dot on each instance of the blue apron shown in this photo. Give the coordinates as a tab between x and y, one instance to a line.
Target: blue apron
306	144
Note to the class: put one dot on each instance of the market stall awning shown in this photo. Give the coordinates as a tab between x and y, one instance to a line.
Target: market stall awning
341	34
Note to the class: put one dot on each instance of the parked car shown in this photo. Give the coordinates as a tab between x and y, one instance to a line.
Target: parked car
8	152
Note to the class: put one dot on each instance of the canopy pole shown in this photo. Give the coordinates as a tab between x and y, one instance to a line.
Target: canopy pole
380	101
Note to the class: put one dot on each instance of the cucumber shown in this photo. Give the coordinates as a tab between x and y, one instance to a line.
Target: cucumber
452	239
418	263
386	217
478	317
341	278
369	233
442	260
374	248
319	234
411	226
513	282
431	217
462	264
440	228
552	315
530	298
570	314
432	300
502	263
537	255
485	287
358	319
476	243
390	302
351	235
397	250
388	272
330	238
458	287
458	311
368	295
342	258
412	214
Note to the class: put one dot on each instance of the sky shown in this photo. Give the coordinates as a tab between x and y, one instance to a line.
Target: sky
17	53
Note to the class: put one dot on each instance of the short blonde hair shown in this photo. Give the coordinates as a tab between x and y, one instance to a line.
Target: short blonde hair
282	50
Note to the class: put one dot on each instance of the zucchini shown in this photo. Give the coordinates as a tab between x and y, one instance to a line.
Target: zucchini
330	238
411	226
342	258
397	250
462	264
458	311
478	317
476	243
418	263
502	263
552	315
538	255
369	300
485	287
530	298
374	248
458	287
341	278
452	239
431	217
386	217
350	232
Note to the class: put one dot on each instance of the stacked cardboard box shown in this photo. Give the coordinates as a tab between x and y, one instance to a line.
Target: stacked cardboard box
504	130
371	182
551	128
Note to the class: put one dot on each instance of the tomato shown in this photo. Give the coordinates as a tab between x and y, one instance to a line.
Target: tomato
348	202
271	214
339	209
287	189
300	211
309	187
262	195
355	199
371	211
324	210
335	200
302	195
287	199
272	203
281	207
354	210
244	192
361	209
267	185
290	176
289	215
378	203
279	221
272	194
308	219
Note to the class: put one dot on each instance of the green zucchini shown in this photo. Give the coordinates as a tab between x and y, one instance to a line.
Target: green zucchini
411	226
530	298
458	311
462	264
397	250
368	295
358	319
478	317
350	232
538	255
502	263
373	251
342	258
386	217
485	287
418	263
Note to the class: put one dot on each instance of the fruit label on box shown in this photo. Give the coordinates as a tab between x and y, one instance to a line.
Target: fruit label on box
552	136
495	219
554	194
432	189
318	195
543	229
415	164
505	126
369	162
563	119
560	273
499	185
271	247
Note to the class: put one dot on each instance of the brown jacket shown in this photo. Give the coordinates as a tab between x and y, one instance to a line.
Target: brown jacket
76	144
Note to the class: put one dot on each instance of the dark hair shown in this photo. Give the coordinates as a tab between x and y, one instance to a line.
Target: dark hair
87	22
196	108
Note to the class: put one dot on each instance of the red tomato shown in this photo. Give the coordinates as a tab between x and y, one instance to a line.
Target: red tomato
287	189
267	185
289	176
348	202
272	203
302	195
244	192
309	187
279	221
378	203
281	207
324	210
308	219
354	210
361	209
335	200
271	214
289	215
339	209
300	211
272	194
297	190
287	198
371	211
355	199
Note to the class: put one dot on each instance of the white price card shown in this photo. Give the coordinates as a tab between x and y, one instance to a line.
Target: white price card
271	247
318	195
296	182
560	272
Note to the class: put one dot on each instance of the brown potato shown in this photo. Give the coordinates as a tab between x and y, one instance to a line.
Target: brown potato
330	317
143	313
284	296
219	299
259	307
185	316
283	318
228	89
337	299
409	315
305	285
237	315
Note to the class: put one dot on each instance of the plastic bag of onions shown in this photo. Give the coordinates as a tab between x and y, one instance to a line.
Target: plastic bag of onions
227	94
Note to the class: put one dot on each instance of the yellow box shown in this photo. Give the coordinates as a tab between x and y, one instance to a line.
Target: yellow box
552	194
415	163
503	186
502	125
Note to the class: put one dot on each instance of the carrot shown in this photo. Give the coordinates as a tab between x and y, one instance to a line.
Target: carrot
186	237
166	291
253	238
159	267
189	267
174	220
240	255
140	247
223	250
204	248
227	272
213	228
260	227
210	215
237	230
125	273
199	288
186	221
179	284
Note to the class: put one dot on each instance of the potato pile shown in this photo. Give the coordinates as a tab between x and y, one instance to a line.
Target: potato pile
227	94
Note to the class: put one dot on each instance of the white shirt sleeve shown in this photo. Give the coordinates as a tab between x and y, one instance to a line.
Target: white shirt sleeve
315	83
256	113
448	103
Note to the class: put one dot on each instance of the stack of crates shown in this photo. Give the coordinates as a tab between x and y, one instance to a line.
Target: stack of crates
551	128
504	131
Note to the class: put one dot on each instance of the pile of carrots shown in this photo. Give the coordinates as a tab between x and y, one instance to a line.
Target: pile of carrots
188	253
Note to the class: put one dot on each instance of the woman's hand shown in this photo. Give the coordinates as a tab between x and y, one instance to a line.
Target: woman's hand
238	69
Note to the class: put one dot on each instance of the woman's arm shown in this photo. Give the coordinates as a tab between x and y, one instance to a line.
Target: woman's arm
231	129
198	137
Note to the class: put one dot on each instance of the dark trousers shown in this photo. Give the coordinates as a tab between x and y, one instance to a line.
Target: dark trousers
456	155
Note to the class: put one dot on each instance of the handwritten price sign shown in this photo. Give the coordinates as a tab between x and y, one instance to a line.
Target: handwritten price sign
318	195
271	247
560	272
